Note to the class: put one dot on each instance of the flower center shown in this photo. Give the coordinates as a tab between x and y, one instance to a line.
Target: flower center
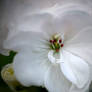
56	42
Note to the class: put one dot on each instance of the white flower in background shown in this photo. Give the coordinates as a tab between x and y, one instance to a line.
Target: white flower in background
54	48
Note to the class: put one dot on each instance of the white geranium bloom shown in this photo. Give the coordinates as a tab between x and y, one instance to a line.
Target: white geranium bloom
54	48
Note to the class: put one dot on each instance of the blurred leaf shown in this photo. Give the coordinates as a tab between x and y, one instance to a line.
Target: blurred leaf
6	59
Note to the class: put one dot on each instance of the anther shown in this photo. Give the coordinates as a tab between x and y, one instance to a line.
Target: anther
54	40
51	41
62	45
60	41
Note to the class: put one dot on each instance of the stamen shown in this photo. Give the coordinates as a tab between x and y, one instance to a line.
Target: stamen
56	42
62	45
57	50
51	41
60	41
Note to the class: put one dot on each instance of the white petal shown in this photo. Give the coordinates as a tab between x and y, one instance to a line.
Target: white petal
70	19
75	22
32	22
82	51
75	69
30	68
75	89
27	31
20	14
16	15
22	40
81	44
84	89
55	80
84	37
51	57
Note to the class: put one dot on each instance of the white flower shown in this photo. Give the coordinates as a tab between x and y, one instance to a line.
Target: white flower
54	48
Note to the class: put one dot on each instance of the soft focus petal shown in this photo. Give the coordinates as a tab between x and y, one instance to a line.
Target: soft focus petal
3	32
14	16
68	20
30	68
83	37
29	32
75	21
55	80
75	69
22	40
3	35
31	22
84	89
15	12
81	44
